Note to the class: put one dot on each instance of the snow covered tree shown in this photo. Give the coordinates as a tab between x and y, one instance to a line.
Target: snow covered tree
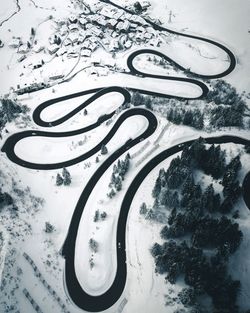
111	194
59	180
103	215
104	150
32	31
49	228
66	177
96	216
143	208
118	184
93	244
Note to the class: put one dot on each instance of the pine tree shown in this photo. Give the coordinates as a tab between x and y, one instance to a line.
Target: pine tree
93	244
143	208
49	228
103	215
85	112
59	180
32	31
66	177
96	216
97	159
111	194
157	188
104	150
113	179
118	184
208	199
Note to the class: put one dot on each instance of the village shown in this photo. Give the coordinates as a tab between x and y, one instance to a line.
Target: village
98	25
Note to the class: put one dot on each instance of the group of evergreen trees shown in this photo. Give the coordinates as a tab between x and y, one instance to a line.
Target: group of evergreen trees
179	177
119	171
139	99
99	216
9	110
188	117
6	200
64	179
192	215
203	273
230	105
223	93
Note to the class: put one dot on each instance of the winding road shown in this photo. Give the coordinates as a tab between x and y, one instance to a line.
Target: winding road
81	298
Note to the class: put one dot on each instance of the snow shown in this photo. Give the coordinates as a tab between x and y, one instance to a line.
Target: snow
226	21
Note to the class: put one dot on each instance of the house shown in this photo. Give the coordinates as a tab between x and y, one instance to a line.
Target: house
85	53
105	41
73	27
128	44
38	48
38	65
81	39
60	22
73	53
137	19
114	45
123	39
67	42
140	29
73	19
100	20
56	76
23	48
155	42
21	58
73	37
83	21
53	49
148	35
126	25
111	23
139	37
63	30
85	10
97	32
145	5
15	43
89	25
114	34
93	46
119	26
118	15
107	12
131	35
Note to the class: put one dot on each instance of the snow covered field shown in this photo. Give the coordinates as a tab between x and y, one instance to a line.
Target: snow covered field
227	22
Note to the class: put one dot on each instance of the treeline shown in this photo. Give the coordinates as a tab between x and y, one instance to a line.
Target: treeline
9	110
188	117
119	171
222	107
196	224
224	93
203	274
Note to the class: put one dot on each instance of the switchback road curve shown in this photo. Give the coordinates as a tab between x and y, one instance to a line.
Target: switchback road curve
82	299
